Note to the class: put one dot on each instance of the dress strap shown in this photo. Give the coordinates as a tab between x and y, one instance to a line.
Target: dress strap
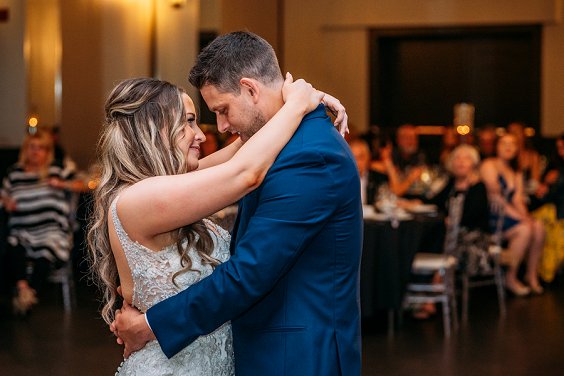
122	235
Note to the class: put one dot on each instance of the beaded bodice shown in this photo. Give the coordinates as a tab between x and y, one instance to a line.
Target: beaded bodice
152	273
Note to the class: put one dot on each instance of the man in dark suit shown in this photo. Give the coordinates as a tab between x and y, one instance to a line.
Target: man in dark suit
290	288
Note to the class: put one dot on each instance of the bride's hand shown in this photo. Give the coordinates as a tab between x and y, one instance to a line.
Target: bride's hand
301	93
338	110
291	90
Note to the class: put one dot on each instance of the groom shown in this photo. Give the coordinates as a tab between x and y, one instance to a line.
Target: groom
290	288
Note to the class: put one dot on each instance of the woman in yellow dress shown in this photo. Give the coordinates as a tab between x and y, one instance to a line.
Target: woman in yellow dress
552	215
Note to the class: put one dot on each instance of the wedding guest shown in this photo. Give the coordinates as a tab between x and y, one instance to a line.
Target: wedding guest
407	153
465	185
450	140
408	160
554	178
34	194
504	182
551	213
389	173
529	158
486	141
462	165
463	200
370	180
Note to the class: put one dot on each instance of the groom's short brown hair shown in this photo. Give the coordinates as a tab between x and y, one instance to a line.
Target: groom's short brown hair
230	57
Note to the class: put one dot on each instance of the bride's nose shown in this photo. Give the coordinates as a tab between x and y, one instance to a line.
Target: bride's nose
200	136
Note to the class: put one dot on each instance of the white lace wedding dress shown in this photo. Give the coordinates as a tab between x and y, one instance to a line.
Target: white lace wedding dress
209	355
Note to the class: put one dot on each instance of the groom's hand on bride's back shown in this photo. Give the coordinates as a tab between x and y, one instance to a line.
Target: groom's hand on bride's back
131	329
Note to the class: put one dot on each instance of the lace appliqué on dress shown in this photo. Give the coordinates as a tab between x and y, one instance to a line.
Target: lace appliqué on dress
152	274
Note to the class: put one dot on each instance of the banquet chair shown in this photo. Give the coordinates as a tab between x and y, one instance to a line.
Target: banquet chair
426	265
495	277
64	277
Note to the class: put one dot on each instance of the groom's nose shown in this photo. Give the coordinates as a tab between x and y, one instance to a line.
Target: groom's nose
222	124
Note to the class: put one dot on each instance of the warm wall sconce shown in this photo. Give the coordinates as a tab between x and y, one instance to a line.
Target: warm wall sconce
33	121
177	4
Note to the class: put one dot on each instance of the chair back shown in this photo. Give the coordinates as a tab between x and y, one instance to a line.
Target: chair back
497	208
455	208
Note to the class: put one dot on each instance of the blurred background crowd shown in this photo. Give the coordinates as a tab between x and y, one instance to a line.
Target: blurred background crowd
508	185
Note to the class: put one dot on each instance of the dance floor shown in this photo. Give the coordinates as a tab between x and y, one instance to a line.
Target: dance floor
528	342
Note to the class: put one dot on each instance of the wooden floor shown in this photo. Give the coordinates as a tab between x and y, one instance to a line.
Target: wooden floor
530	341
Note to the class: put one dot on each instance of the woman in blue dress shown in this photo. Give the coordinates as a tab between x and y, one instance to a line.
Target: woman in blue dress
509	215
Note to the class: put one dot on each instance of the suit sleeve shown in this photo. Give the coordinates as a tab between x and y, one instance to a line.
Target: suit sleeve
295	201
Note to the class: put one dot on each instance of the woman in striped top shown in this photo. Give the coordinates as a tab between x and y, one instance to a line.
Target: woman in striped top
35	196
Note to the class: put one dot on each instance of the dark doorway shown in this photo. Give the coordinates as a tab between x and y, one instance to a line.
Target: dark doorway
417	75
206	116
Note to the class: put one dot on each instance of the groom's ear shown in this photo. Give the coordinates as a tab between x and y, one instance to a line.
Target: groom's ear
251	88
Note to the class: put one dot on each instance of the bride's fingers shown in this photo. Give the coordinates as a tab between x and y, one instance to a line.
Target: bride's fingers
287	81
343	123
338	110
289	78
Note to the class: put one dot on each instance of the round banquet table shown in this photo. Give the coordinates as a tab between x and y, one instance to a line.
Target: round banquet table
387	255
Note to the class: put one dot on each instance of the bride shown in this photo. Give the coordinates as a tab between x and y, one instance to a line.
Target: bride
147	233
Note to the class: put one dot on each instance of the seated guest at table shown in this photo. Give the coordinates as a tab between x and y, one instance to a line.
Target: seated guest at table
551	194
397	183
486	141
553	178
408	160
370	180
462	165
529	158
504	183
39	232
470	245
450	140
407	154
387	172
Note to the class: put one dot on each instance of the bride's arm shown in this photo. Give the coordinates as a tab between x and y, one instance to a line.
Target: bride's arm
160	204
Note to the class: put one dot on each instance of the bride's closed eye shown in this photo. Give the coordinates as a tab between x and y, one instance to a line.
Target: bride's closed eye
191	119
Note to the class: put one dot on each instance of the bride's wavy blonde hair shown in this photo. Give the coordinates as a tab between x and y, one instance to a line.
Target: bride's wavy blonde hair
143	117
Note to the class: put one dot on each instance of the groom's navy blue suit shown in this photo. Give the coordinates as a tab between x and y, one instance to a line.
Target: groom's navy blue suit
290	288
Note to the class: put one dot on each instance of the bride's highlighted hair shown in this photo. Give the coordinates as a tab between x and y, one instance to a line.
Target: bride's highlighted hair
143	116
